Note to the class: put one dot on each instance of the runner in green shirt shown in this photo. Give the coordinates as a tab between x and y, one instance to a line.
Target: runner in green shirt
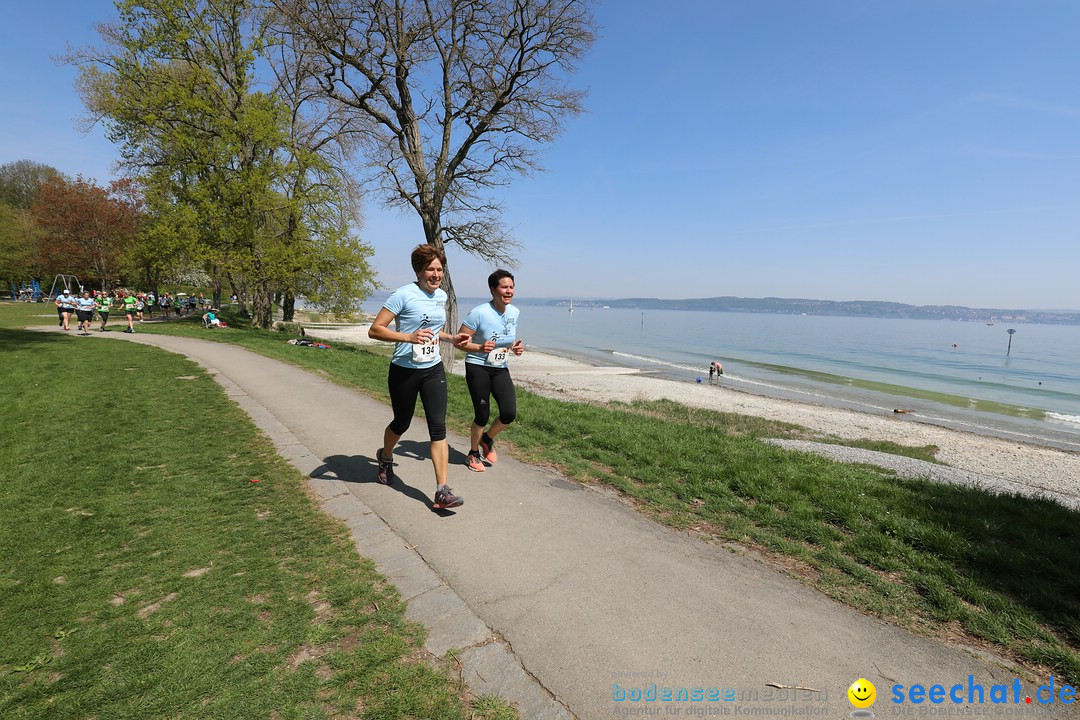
104	302
130	310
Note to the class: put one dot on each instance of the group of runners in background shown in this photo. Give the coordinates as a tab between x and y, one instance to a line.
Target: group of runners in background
488	335
134	305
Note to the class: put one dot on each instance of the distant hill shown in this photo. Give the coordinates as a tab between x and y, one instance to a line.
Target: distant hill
851	308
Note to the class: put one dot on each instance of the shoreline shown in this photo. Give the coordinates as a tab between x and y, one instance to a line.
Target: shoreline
1026	462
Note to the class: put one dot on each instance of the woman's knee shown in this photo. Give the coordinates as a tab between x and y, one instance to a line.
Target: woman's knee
507	417
481	415
437	431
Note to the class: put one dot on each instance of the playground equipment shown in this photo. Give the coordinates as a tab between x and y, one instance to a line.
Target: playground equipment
67	282
26	292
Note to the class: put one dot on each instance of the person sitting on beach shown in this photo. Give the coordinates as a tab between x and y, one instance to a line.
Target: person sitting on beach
490	331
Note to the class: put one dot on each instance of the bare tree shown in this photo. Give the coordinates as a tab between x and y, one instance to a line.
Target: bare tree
454	98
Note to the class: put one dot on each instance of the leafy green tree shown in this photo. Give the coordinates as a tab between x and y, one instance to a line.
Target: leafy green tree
20	237
20	181
176	87
323	201
20	260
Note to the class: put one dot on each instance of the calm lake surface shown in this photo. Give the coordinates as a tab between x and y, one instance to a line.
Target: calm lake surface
954	373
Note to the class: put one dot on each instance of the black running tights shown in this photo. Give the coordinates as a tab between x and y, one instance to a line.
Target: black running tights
485	382
430	384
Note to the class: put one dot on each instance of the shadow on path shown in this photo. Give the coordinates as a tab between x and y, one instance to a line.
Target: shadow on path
364	469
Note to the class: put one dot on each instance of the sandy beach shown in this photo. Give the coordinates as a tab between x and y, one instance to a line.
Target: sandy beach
1030	465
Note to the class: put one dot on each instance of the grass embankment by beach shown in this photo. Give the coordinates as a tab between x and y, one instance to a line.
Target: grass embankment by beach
145	572
960	401
943	560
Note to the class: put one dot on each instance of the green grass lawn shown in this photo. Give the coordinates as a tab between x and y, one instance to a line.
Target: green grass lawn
1003	571
158	559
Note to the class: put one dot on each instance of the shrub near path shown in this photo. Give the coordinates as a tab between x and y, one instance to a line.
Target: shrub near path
158	559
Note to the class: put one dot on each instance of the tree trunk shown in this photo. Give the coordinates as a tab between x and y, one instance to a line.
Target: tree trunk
433	235
447	349
241	300
288	307
262	307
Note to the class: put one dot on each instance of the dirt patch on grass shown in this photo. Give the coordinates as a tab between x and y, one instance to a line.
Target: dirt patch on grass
304	654
324	611
155	606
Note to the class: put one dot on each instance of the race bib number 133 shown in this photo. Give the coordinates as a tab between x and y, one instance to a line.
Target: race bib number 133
497	357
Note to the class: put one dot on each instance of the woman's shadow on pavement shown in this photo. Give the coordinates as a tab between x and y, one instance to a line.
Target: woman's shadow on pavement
364	469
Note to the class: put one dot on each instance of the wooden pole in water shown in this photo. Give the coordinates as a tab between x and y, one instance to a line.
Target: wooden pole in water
1011	333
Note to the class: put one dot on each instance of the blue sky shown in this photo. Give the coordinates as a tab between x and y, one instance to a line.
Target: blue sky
925	151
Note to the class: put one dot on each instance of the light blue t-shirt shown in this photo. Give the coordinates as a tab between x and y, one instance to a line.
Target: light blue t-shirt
414	309
487	323
85	304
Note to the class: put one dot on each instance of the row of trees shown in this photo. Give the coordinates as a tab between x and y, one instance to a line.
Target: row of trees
237	178
51	224
251	125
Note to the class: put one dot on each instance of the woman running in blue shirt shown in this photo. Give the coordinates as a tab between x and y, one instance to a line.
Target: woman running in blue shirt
418	311
491	332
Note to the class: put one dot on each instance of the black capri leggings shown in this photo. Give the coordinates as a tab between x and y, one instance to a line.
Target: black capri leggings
430	384
484	382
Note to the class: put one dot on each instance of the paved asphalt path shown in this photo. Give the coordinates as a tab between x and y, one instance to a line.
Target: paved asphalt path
561	598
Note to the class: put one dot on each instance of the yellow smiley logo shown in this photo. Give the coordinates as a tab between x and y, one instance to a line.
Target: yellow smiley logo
862	693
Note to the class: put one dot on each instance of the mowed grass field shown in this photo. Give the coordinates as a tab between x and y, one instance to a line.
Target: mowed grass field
998	571
159	560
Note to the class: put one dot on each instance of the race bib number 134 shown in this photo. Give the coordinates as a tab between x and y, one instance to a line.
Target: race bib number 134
427	352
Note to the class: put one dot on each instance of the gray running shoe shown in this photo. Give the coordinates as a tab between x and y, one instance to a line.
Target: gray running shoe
445	499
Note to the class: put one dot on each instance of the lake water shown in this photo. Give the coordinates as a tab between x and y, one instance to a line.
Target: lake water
953	373
958	374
